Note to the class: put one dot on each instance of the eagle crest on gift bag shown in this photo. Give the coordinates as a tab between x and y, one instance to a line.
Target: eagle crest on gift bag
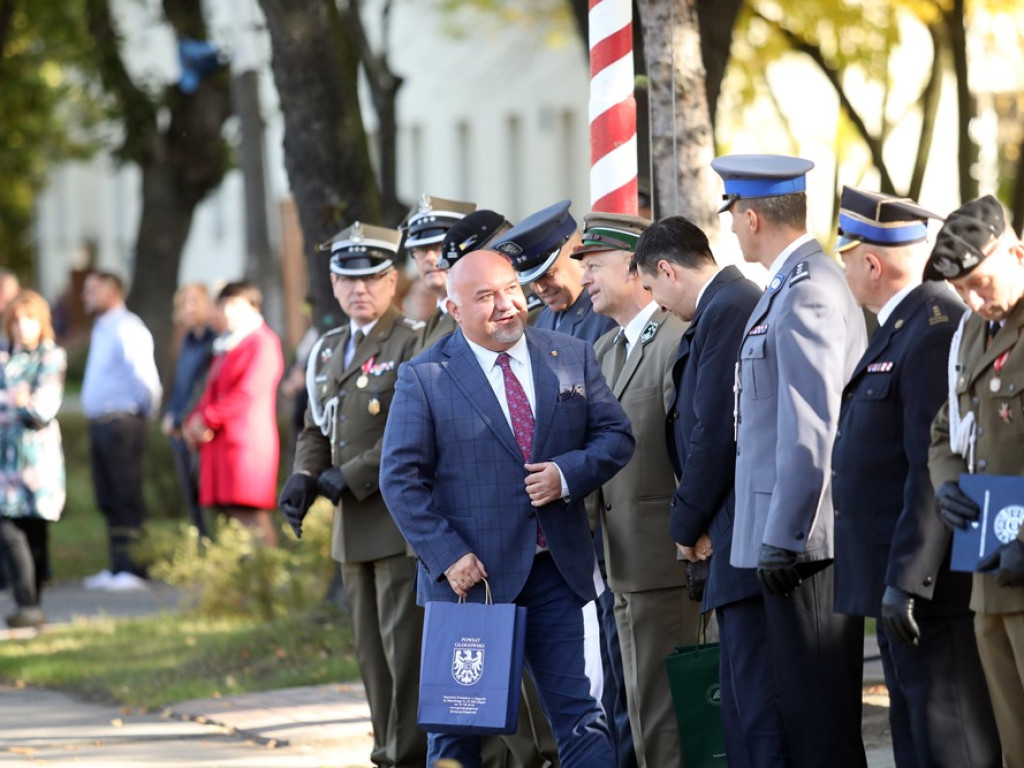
467	665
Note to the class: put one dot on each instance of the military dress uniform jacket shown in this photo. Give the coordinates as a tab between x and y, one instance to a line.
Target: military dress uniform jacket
700	434
800	346
437	326
999	415
639	553
580	320
887	531
363	528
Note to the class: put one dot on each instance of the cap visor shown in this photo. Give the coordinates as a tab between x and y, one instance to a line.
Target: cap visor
529	275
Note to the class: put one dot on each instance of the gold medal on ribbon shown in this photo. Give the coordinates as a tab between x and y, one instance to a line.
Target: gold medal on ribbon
374	407
362	381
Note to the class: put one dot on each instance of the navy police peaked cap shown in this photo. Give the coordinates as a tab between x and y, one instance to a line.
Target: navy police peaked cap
472	233
879	219
966	239
362	249
535	242
430	219
751	176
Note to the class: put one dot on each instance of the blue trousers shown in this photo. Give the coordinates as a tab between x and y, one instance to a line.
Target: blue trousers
554	656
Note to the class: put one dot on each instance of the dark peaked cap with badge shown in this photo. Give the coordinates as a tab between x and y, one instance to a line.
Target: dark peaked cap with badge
610	232
362	249
534	243
752	176
966	239
473	233
430	219
879	219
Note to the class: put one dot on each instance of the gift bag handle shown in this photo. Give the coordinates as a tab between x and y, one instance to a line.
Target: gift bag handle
702	633
488	600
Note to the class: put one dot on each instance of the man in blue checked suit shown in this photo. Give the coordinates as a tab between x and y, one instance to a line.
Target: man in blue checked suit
473	506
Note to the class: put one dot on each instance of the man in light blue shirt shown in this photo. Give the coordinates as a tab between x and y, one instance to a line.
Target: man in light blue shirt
121	389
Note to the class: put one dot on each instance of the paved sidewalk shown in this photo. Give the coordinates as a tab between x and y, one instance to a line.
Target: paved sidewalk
325	725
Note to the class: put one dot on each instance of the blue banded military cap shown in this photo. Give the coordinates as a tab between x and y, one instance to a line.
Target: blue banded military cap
967	238
610	232
473	233
752	176
879	219
362	249
534	243
430	219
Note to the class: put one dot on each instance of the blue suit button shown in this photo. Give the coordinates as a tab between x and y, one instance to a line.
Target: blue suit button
531	514
799	535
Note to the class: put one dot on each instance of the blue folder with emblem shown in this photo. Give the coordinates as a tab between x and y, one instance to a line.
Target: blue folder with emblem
471	667
1001	499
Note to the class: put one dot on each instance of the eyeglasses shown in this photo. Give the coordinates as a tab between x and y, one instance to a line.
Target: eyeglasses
368	280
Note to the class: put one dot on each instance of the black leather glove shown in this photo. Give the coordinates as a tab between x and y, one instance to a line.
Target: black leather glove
1008	564
331	484
296	498
776	568
956	508
898	616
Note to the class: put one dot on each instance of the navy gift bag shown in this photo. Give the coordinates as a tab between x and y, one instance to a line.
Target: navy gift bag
472	667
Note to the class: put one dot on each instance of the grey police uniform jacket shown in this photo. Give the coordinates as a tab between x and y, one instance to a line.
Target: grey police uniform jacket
799	349
363	528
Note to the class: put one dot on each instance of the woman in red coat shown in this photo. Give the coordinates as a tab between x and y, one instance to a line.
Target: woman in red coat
235	421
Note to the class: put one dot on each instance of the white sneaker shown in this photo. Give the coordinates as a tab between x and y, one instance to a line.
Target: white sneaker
98	581
125	581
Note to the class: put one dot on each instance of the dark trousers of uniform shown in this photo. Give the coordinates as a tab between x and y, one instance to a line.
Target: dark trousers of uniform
751	707
116	446
555	658
186	466
388	629
939	708
23	541
818	657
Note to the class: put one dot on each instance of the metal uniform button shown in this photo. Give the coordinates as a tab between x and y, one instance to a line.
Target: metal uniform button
928	581
981	431
982	464
1012	387
975	400
839	433
608	507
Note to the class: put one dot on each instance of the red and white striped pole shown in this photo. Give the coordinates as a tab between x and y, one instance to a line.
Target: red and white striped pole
613	148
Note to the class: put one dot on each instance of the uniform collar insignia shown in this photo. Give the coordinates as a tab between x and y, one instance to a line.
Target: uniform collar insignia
800	273
649	330
776	283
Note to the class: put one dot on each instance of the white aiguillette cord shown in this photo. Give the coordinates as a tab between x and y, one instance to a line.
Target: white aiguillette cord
962	432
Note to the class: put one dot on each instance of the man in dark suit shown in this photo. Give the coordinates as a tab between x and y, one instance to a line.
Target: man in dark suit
800	345
350	380
892	551
675	261
540	247
480	493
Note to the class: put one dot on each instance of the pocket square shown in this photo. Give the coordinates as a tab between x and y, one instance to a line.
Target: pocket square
573	393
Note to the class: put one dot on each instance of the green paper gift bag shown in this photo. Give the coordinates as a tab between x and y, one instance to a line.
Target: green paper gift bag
693	680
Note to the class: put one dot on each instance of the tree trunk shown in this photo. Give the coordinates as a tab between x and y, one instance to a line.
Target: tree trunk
681	141
717	20
315	66
262	266
929	110
967	149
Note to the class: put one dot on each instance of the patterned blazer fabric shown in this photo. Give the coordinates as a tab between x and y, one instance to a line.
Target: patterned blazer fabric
452	474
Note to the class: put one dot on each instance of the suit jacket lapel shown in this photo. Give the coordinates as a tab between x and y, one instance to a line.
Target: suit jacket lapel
468	377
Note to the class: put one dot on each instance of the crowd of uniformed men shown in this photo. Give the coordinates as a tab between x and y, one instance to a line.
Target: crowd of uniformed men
809	471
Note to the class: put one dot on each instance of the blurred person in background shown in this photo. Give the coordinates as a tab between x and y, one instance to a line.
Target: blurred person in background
192	313
234	424
31	457
120	390
9	288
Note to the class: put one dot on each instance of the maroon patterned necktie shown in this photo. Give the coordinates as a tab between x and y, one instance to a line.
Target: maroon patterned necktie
522	418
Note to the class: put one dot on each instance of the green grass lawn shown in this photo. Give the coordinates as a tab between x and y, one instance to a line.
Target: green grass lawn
148	663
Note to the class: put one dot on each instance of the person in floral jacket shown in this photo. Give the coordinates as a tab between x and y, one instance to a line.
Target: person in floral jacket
31	457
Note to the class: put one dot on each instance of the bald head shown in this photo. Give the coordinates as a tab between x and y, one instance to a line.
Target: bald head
485	298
